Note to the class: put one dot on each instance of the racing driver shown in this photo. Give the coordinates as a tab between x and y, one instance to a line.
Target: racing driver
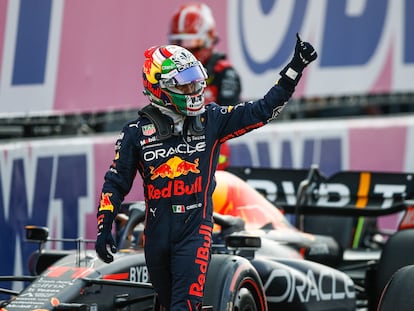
174	144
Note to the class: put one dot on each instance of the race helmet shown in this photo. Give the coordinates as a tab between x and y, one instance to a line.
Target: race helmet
193	27
175	79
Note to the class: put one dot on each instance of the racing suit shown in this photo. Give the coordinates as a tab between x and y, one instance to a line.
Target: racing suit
178	180
223	88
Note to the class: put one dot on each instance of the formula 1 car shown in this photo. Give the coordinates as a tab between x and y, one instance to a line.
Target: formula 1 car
249	270
259	262
349	207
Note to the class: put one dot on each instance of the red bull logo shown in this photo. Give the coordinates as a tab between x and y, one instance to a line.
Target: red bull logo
173	168
175	188
202	260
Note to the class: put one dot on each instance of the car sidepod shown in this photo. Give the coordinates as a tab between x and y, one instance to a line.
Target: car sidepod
292	284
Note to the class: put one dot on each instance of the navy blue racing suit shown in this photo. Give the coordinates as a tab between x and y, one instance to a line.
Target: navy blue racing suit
178	180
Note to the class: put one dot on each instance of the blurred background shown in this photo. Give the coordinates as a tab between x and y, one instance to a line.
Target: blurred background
73	67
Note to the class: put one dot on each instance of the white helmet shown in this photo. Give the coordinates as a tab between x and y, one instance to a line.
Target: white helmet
175	79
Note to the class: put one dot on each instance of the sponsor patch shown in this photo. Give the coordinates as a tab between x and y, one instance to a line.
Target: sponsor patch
148	140
179	208
193	206
148	129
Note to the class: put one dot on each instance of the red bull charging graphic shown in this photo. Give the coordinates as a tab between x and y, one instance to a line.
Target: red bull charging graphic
173	168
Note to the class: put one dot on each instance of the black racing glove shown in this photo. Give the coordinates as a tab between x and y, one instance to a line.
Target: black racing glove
303	56
104	239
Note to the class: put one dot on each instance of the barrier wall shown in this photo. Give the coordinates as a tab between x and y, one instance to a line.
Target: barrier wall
56	182
382	144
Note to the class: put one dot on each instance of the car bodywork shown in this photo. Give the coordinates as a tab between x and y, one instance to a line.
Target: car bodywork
348	206
259	261
78	280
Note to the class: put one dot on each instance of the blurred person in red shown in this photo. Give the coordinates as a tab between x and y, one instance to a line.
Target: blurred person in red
194	28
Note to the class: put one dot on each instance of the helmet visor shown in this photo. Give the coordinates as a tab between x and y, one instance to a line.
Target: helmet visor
195	73
186	76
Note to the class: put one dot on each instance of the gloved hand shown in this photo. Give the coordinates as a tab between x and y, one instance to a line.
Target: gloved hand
303	56
104	239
